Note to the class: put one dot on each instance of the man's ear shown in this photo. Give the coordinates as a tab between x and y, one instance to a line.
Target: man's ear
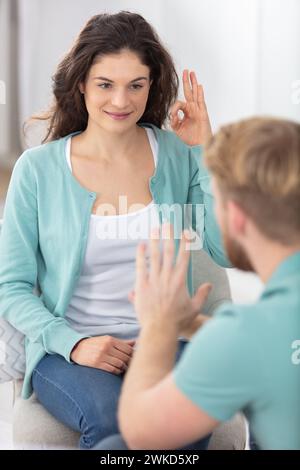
236	218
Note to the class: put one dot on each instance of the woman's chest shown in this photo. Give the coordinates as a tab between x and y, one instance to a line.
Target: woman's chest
119	188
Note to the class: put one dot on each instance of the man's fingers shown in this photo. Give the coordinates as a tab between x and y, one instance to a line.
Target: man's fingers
155	255
201	295
131	296
169	249
183	257
141	265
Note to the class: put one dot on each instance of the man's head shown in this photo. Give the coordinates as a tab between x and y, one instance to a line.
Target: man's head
255	165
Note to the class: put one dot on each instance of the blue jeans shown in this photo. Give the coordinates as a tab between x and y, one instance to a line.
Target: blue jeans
83	398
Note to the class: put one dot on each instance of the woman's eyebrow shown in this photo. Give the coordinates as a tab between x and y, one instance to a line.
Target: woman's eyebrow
111	81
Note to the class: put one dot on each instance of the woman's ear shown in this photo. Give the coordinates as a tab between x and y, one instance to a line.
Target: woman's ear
81	88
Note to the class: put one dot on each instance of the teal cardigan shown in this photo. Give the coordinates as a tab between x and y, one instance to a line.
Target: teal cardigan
45	230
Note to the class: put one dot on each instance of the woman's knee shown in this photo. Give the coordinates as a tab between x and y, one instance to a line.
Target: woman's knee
95	431
84	399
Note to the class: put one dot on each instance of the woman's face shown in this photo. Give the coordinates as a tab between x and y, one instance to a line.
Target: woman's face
116	91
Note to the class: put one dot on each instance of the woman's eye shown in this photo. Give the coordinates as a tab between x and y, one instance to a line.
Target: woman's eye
104	86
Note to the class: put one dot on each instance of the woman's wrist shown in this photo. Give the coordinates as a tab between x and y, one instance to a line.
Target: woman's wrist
75	347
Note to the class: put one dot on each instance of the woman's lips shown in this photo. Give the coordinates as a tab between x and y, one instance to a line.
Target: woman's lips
117	116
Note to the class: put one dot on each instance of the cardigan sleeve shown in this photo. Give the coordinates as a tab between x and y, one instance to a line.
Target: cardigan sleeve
19	245
200	196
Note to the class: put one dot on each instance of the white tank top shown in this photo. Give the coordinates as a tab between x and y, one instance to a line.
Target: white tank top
100	305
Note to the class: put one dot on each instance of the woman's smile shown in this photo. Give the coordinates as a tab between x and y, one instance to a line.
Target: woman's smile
118	116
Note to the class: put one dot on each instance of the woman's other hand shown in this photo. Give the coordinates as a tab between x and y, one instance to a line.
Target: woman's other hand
104	352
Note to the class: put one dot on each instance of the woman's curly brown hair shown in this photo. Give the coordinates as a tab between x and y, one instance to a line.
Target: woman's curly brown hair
109	34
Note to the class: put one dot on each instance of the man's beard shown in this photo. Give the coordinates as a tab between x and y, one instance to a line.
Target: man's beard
237	254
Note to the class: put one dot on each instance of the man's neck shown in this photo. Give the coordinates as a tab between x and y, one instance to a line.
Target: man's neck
266	257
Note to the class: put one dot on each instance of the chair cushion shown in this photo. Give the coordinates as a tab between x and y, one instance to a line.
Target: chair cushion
34	428
230	435
12	352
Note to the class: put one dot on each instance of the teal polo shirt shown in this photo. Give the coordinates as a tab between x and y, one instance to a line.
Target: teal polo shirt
248	358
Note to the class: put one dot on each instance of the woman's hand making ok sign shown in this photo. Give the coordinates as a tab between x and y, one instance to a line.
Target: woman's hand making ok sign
194	127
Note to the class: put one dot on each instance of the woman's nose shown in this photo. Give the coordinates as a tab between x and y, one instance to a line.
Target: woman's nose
120	99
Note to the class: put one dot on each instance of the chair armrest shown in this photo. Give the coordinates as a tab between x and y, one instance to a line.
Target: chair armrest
204	269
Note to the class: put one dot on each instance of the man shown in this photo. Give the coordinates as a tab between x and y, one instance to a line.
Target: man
246	357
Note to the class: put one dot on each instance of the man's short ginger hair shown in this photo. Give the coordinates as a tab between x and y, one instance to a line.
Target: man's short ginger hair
256	163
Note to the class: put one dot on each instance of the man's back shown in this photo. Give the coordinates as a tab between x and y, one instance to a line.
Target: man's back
246	359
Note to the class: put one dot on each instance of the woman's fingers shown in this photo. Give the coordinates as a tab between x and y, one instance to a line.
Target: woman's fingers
190	86
194	96
178	106
115	361
120	355
123	346
201	99
186	86
175	122
194	86
109	368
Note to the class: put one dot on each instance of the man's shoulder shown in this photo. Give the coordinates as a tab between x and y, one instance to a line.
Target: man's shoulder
232	325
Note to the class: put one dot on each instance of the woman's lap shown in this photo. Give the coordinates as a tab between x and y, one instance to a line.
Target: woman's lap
83	398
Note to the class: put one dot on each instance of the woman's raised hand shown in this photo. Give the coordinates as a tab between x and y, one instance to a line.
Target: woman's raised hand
194	127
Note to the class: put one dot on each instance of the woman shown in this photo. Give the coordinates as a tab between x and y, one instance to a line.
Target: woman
113	92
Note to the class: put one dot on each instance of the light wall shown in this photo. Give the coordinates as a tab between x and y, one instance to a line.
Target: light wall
245	52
